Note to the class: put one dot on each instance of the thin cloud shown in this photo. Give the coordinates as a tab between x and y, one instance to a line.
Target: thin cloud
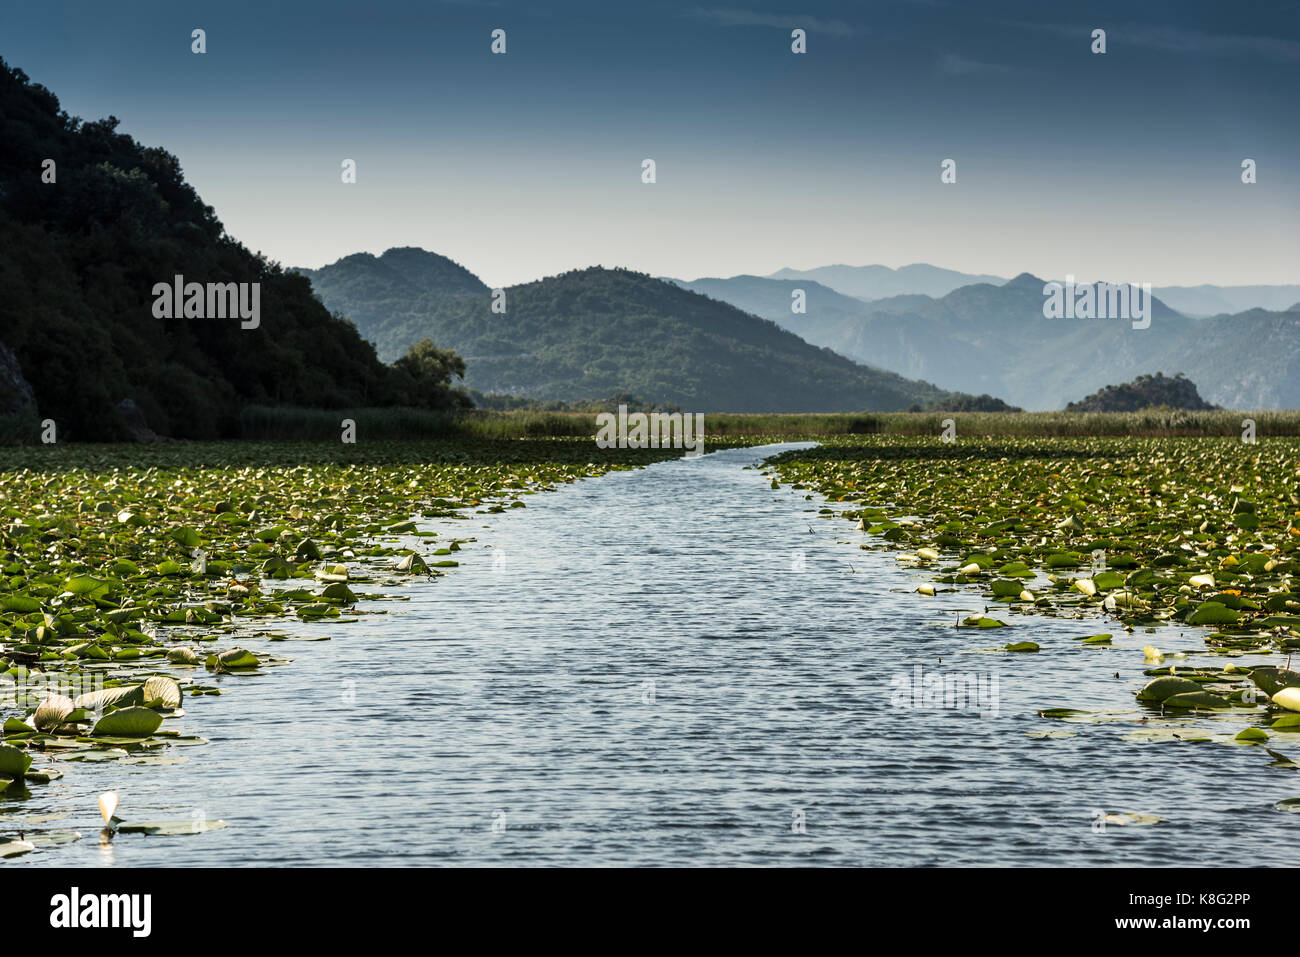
1177	40
954	64
731	17
1189	41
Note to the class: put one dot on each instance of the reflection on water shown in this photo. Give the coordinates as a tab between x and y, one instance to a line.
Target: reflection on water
679	665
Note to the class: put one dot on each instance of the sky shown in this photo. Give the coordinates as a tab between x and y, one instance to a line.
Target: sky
1117	166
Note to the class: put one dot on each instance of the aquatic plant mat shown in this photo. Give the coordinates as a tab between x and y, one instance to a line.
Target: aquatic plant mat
138	580
1128	535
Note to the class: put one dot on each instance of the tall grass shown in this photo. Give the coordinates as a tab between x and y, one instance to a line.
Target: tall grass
260	422
263	422
1146	422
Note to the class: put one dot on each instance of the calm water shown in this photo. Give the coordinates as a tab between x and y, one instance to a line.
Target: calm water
517	690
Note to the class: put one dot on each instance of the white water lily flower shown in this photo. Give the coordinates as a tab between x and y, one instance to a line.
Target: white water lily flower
107	805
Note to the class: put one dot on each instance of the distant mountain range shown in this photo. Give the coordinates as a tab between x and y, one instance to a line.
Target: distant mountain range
922	279
1218	300
878	282
993	338
594	333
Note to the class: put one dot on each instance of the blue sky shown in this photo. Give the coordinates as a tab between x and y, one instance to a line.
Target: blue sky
1117	166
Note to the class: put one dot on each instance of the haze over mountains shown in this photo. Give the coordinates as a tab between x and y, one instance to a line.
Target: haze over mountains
880	282
81	261
594	333
993	338
1218	300
877	282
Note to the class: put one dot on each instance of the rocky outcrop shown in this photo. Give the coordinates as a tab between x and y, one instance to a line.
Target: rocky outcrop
133	421
16	394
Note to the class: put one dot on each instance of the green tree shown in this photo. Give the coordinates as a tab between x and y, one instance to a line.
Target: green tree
429	371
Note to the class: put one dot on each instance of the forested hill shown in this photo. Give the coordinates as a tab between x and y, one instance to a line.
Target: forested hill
1144	392
386	296
81	256
597	332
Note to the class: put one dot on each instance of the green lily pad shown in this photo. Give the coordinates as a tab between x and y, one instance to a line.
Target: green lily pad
162	692
1213	613
133	722
1196	699
236	658
1161	689
13	761
119	697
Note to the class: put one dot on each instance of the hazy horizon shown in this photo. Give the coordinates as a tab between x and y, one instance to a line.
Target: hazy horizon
1123	166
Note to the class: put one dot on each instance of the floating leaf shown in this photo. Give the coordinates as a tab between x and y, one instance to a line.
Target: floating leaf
338	592
979	621
133	722
172	828
238	658
13	761
1213	613
84	585
1158	689
52	712
185	536
162	692
1271	680
14	847
1103	639
1196	699
1280	760
119	697
1128	819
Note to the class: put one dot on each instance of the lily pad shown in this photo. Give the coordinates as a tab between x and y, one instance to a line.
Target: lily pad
14	847
133	722
172	828
52	712
162	692
13	761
